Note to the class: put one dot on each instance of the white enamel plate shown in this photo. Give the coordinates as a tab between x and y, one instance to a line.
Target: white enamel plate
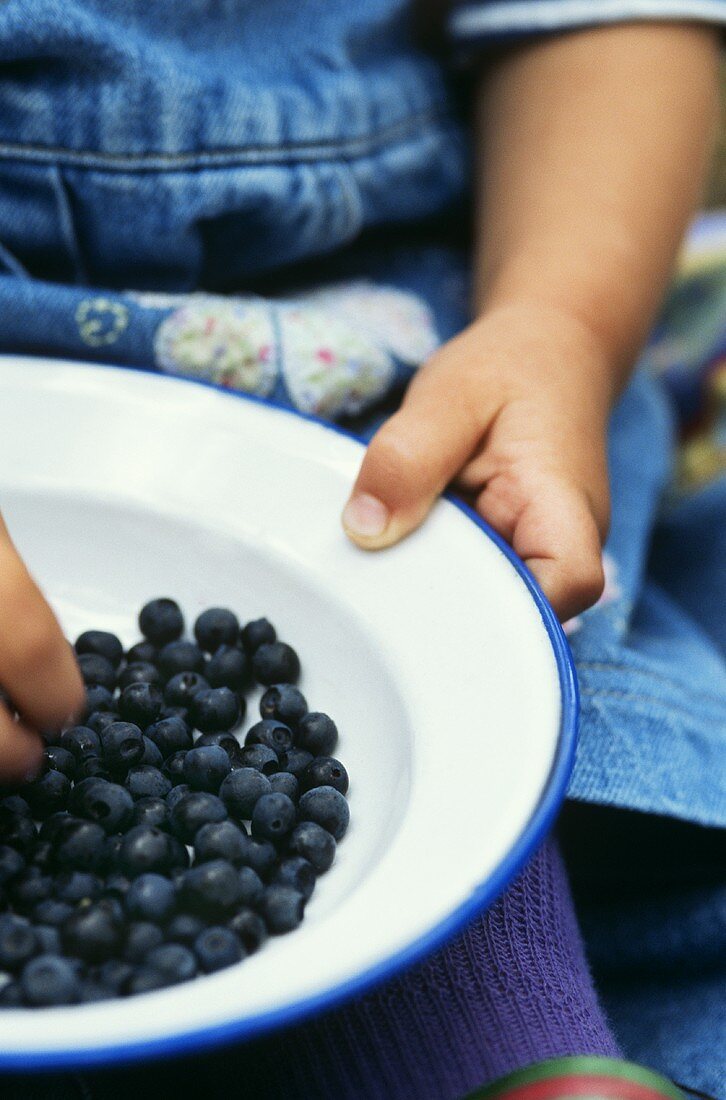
445	669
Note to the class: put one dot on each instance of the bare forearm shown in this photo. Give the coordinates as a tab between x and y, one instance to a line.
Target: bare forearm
593	151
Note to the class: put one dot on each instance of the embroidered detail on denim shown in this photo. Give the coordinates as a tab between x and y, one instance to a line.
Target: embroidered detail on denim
228	342
101	321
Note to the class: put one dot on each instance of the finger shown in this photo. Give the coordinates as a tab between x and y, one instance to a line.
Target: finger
37	666
554	531
21	750
409	462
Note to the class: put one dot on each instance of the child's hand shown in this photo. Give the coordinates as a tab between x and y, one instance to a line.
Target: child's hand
37	668
513	412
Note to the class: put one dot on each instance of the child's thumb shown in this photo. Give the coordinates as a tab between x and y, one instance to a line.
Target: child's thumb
409	462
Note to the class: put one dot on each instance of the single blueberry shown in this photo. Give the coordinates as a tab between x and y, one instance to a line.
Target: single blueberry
194	810
142	651
97	698
141	938
141	703
96	670
152	811
102	643
228	667
249	928
261	758
61	760
241	789
215	627
276	663
92	933
144	849
317	733
217	948
81	741
174	961
18	942
285	703
48	793
184	928
181	689
314	843
81	847
161	621
143	781
150	897
181	656
273	817
256	633
219	840
326	807
324	771
108	804
297	872
49	939
140	672
211	889
216	709
271	732
49	980
122	744
295	761
170	735
206	767
282	908
285	783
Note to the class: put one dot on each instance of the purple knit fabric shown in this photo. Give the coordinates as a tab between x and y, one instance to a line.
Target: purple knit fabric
512	989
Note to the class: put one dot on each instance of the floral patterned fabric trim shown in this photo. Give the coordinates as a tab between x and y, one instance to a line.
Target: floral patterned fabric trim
581	1078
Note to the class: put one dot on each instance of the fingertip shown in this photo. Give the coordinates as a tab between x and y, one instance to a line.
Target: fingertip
365	520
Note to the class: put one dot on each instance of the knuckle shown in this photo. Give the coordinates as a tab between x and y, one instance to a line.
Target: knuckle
393	450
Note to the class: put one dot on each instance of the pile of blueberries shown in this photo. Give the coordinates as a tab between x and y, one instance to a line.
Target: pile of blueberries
155	846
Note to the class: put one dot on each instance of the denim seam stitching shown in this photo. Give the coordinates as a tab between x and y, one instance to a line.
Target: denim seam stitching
661	677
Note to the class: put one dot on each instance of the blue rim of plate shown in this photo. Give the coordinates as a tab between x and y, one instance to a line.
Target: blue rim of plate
532	835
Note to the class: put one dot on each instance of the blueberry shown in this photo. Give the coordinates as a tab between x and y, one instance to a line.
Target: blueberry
152	811
92	933
81	847
81	742
228	667
194	810
61	760
15	804
11	863
141	938
152	754
18	831
276	663
282	908
297	872
211	889
122	744
260	855
102	643
96	670
219	840
256	633
173	961
295	761
48	793
215	709
28	888
108	804
161	621
144	849
101	720
325	771
217	948
150	898
176	794
285	703
140	703
271	732
181	689
170	735
18	942
146	979
215	627
273	816
317	733
140	672
75	886
314	843
179	657
142	651
261	758
249	928
173	767
285	783
184	928
206	767
143	781
224	740
241	789
49	980
51	912
252	887
98	698
114	974
49	939
327	807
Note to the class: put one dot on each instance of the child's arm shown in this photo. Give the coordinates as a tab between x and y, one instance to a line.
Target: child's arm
37	668
592	152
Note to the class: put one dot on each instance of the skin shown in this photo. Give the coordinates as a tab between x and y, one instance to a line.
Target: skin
593	149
